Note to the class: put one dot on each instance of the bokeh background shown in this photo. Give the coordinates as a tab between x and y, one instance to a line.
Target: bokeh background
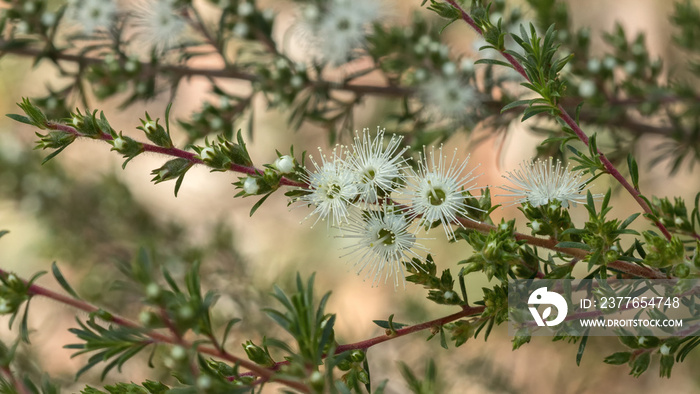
87	214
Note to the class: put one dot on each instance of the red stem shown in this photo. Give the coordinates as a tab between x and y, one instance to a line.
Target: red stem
548	243
175	152
265	373
368	343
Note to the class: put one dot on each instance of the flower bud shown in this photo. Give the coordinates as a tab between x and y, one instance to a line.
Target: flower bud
257	354
681	271
250	186
317	381
285	164
207	153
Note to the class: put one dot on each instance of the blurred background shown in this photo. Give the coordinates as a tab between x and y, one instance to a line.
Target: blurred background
87	214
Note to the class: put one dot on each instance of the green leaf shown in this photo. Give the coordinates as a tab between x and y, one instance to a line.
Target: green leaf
53	154
581	348
62	281
634	170
259	203
385	323
618	358
570	244
3	232
20	118
493	61
514	104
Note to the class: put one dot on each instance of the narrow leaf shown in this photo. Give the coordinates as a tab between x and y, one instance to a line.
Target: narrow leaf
62	281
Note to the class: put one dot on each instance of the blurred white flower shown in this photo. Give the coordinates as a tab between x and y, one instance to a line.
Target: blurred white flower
587	88
384	245
159	23
448	97
340	29
332	188
377	168
92	14
439	190
543	182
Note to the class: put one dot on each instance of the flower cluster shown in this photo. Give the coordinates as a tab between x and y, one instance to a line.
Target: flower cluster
371	178
339	27
372	194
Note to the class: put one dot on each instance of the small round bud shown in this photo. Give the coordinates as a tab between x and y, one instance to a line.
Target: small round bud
587	88
678	221
449	295
216	123
536	225
296	81
131	66
29	7
204	382
421	74
268	14
665	349
631	67
681	271
118	143
250	186
207	153
48	19
311	13
241	29
185	312
449	68
593	65
285	164
5	306
609	62
146	318
23	27
245	9
316	380
141	88
153	291
357	356
178	353
467	65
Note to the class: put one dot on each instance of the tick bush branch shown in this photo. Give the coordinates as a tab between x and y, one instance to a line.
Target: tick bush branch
381	191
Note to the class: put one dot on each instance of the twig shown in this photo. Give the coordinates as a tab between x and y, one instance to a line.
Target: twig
265	373
610	168
175	152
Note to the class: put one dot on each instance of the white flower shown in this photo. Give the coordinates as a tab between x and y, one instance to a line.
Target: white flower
377	168
92	14
159	23
284	164
448	97
250	185
543	182
439	190
384	244
331	188
341	28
